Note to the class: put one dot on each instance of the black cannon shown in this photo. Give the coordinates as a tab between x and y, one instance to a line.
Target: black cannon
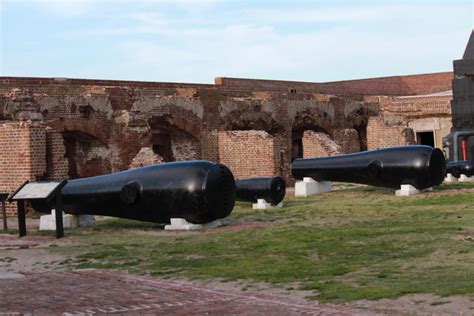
271	189
420	166
198	191
457	168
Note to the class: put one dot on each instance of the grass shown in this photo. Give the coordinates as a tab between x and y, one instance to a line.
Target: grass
354	243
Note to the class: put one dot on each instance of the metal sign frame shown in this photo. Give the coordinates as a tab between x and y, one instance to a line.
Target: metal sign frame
53	194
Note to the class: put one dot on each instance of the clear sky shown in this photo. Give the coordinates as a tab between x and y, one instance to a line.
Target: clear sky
198	40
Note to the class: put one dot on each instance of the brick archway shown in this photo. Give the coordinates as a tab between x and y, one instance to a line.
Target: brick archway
86	146
245	121
97	130
174	137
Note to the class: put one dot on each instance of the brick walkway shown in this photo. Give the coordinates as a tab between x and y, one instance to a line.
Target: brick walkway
86	292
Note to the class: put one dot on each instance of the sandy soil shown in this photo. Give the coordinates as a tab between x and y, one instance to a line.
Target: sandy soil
421	304
28	254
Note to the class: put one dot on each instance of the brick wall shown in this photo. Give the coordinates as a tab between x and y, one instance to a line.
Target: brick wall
395	85
103	124
248	153
318	144
380	135
145	157
348	139
210	146
57	166
22	155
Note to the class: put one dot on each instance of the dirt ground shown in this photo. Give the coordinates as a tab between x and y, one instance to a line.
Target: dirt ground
26	260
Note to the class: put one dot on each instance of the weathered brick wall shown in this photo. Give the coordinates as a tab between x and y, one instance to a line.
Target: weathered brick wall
105	124
22	155
396	85
57	166
146	157
380	135
420	113
185	147
347	139
318	144
210	146
248	153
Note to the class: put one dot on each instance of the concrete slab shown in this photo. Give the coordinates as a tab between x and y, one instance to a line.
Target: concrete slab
263	205
309	187
182	224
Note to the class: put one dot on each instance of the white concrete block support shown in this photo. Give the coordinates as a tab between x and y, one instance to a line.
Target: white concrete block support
409	190
48	222
450	178
309	187
182	224
464	178
263	205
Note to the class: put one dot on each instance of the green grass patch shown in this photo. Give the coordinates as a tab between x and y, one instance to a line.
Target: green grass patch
350	244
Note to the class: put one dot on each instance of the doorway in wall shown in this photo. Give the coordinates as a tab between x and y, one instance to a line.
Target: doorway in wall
425	138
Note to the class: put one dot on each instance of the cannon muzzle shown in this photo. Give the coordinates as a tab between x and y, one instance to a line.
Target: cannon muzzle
198	191
457	168
271	189
420	166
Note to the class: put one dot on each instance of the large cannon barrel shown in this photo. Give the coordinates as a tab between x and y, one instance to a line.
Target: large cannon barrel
198	191
271	189
457	168
420	166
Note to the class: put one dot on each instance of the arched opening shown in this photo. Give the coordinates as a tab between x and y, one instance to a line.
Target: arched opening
87	155
297	140
359	117
171	142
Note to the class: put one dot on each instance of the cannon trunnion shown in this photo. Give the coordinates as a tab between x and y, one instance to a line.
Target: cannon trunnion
420	166
271	189
457	168
198	191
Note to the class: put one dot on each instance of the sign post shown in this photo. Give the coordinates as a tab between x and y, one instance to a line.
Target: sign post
3	197
47	192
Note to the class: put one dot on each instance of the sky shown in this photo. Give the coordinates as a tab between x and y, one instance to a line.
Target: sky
198	40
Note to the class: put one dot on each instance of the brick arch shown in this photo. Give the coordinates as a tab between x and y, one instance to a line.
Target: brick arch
172	115
313	119
171	121
358	119
245	120
85	126
310	119
360	115
174	137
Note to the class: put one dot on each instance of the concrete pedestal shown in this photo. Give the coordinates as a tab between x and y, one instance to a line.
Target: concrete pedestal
263	205
409	190
450	178
182	224
309	187
48	222
464	178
